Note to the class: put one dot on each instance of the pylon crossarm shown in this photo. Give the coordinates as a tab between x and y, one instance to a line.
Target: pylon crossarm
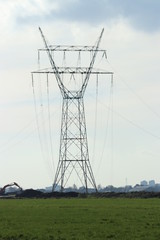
65	48
91	64
72	70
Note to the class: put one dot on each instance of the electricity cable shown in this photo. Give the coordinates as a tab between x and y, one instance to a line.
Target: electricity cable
42	130
133	123
37	121
95	123
134	93
10	140
49	121
109	112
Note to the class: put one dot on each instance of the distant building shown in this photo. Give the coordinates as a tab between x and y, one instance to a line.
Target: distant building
144	183
139	188
152	183
48	189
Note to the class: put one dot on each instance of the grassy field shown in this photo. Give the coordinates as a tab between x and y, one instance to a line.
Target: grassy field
61	219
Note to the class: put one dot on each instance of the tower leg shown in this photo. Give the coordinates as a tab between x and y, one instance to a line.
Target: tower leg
73	153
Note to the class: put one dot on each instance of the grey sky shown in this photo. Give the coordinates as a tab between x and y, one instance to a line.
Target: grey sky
141	14
131	38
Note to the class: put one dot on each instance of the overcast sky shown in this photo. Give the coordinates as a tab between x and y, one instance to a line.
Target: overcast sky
131	37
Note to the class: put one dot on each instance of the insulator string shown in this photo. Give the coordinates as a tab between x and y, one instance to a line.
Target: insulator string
38	59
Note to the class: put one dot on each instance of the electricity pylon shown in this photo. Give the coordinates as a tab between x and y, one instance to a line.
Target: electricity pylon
73	152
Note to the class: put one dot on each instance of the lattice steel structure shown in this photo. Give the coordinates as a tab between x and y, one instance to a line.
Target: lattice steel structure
73	152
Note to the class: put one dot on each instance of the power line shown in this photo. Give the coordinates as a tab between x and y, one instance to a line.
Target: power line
41	126
49	121
110	112
135	93
134	124
95	122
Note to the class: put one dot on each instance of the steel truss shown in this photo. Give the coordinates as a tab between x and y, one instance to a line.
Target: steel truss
73	152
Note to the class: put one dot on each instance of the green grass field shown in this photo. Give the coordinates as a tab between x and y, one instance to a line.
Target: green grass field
79	219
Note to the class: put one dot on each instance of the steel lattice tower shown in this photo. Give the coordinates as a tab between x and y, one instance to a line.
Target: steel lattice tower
73	152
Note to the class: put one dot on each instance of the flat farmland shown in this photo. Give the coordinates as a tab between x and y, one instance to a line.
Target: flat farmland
89	218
